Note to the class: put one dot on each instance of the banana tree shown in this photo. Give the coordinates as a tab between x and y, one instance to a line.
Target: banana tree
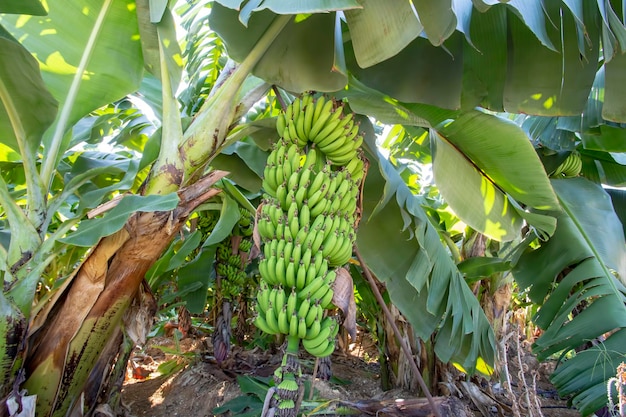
68	329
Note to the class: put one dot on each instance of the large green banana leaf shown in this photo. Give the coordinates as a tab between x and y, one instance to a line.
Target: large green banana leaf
485	167
532	56
102	42
577	278
482	165
404	251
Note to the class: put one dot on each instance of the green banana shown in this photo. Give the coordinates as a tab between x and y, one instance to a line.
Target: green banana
311	275
326	113
270	319
290	274
280	270
262	325
303	309
296	254
292	302
321	106
329	349
316	283
280	297
315	312
302	329
283	320
313	330
301	276
318	339
293	325
263	296
327	300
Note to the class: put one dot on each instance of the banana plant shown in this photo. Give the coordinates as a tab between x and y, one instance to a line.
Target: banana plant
94	297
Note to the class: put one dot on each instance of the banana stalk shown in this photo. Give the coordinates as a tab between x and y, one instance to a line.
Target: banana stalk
209	129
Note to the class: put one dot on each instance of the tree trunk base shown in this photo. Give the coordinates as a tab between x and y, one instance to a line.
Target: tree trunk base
411	407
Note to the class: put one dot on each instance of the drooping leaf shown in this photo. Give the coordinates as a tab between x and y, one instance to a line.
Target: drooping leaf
577	278
543	81
410	75
91	163
91	231
589	206
388	110
229	216
614	108
27	108
32	7
240	172
473	197
533	16
113	59
381	29
253	385
505	155
484	68
491	168
198	271
608	138
618	198
438	19
300	59
281	7
24	238
480	267
420	276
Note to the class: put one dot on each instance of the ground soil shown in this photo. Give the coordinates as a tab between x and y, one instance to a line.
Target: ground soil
202	385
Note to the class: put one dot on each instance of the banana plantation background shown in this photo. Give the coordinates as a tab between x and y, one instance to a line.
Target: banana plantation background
134	135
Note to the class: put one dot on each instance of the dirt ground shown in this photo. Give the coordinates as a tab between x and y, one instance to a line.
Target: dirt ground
202	385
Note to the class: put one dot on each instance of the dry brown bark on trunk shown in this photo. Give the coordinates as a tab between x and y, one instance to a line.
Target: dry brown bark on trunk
64	337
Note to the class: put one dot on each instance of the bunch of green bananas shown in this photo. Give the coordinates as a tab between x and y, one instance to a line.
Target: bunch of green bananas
207	220
571	167
307	220
231	265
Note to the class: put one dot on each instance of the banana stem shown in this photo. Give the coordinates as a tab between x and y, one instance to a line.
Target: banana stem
293	344
206	134
403	344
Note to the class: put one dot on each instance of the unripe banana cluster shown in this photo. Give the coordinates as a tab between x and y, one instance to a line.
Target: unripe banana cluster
230	263
571	167
207	220
307	220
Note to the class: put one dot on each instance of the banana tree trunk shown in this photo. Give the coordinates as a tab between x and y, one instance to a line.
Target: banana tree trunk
66	341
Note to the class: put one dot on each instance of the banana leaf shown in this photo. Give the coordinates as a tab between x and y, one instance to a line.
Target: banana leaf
404	251
577	278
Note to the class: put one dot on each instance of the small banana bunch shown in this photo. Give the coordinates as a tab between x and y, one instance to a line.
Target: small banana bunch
207	220
231	260
308	219
571	167
231	257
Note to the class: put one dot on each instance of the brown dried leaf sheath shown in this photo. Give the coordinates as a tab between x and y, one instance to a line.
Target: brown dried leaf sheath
343	298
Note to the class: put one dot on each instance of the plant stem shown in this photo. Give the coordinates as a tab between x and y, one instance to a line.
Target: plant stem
35	194
207	133
293	344
403	344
